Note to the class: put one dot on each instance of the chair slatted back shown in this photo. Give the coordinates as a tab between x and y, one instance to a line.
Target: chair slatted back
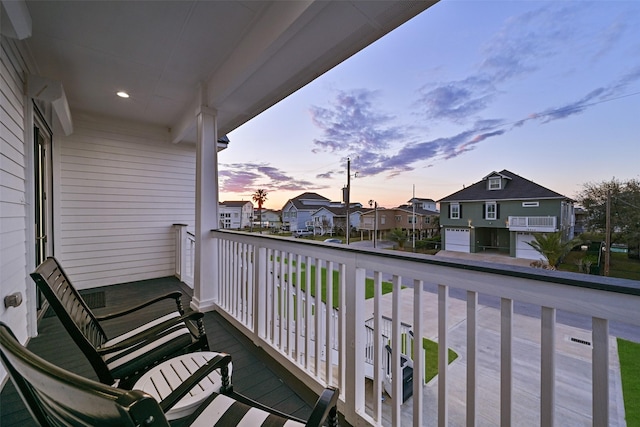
73	312
56	397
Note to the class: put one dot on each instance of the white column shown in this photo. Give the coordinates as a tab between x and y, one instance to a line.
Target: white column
205	290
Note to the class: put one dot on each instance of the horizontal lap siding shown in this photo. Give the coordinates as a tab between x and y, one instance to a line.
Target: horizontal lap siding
121	189
13	198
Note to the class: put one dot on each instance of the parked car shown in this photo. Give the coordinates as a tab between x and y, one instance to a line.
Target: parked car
300	233
333	240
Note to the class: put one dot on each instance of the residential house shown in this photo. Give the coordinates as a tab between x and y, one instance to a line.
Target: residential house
332	219
426	204
235	215
500	213
296	213
104	183
421	219
270	218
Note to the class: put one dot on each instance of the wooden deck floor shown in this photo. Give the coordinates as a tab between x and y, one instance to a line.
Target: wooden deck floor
254	373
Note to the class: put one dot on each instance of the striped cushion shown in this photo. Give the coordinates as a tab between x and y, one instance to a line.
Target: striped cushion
222	411
128	361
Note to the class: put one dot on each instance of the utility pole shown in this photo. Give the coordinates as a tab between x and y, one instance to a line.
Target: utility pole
607	237
413	203
348	197
375	223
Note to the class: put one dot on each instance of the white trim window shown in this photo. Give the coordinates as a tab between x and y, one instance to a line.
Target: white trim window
491	211
530	204
454	211
495	183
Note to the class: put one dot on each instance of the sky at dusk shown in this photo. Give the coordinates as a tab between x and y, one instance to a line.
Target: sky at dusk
547	90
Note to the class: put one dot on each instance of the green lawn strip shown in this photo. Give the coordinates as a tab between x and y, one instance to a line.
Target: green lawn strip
629	354
369	284
430	356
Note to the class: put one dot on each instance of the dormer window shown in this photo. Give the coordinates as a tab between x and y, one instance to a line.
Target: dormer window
495	183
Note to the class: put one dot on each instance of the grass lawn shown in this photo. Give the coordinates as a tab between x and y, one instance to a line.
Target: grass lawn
621	266
629	354
624	267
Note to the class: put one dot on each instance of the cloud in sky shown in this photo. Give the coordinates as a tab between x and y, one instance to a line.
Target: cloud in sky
355	123
456	100
352	124
248	177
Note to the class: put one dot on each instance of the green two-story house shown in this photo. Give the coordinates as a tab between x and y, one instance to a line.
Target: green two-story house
500	212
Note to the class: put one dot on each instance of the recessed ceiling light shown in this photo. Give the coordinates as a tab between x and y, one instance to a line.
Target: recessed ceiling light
122	94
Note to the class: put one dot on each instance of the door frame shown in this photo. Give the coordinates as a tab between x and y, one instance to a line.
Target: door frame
41	142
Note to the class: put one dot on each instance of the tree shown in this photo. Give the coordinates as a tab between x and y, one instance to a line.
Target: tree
398	236
260	196
551	246
625	209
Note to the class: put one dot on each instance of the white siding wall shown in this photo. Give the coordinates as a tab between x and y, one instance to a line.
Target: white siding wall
14	198
120	187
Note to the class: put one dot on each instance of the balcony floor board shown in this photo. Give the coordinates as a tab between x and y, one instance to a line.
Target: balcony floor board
254	373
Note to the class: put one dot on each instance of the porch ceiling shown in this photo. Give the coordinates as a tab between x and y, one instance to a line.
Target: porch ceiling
250	54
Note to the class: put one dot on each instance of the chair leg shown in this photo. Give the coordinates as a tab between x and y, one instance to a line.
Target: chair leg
203	335
332	419
226	386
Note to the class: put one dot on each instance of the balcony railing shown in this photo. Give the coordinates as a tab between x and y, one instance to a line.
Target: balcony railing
538	224
263	289
185	254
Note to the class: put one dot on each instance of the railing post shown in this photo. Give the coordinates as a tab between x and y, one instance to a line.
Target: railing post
181	252
600	372
259	315
355	339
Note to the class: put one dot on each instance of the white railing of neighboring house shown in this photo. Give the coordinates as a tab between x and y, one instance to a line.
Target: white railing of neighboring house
533	223
258	292
185	254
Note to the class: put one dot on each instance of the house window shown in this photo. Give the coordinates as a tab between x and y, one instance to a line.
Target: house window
495	183
398	218
427	220
454	212
383	219
412	219
491	211
530	204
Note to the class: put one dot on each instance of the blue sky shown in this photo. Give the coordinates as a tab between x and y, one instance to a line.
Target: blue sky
547	90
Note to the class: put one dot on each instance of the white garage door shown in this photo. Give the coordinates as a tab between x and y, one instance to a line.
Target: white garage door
523	250
456	239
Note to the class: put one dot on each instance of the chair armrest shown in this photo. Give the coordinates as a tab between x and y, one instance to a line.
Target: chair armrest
220	361
150	333
176	295
325	407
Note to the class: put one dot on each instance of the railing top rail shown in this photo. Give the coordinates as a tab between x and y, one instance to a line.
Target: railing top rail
601	283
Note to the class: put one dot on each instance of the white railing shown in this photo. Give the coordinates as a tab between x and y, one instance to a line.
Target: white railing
185	254
259	292
533	223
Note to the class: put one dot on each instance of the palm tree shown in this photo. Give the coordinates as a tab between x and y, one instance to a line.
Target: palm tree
398	236
260	196
552	246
